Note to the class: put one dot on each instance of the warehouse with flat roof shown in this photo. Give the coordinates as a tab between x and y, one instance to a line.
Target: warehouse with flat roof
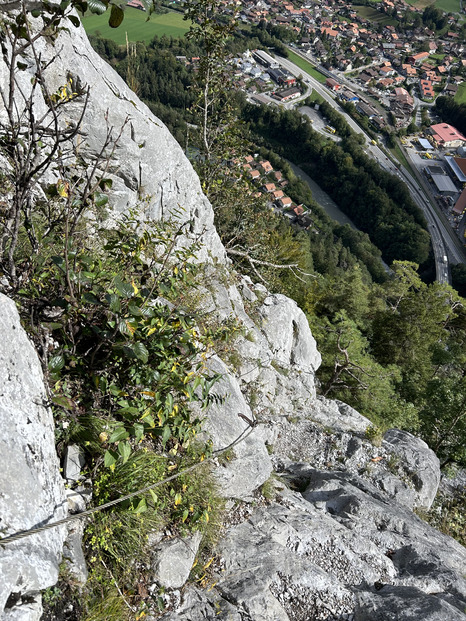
265	59
444	184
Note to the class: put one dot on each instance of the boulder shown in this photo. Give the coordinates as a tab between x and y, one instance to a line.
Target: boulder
250	464
74	463
172	560
419	462
288	334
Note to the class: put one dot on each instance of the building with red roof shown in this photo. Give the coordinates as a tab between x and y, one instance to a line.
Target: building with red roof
446	135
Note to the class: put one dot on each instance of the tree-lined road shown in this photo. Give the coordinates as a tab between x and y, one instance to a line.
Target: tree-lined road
442	243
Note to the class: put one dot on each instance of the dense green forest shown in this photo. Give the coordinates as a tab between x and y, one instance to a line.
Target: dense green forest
376	201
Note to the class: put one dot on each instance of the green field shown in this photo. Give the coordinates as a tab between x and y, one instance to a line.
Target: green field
449	6
315	97
373	15
307	67
460	96
136	26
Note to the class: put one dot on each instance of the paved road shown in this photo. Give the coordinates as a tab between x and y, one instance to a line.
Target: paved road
442	242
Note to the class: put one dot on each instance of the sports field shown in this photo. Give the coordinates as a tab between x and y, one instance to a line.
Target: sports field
307	67
136	26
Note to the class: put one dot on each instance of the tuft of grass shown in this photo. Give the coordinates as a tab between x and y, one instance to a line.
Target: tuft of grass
269	488
374	434
116	541
448	515
108	606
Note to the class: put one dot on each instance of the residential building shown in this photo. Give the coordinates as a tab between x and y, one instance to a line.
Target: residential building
416	59
427	89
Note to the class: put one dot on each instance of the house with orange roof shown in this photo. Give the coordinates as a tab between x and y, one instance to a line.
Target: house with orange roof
266	166
427	89
408	70
386	82
416	59
285	202
332	34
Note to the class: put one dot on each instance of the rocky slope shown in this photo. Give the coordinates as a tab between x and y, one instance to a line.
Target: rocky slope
339	540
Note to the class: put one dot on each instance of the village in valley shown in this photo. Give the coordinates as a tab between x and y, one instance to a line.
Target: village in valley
390	60
384	63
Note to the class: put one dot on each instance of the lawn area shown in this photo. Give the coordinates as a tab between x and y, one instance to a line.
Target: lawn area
449	6
136	27
314	97
373	15
399	155
436	59
460	96
307	67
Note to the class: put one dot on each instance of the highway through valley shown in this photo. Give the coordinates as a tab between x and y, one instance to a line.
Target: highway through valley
444	245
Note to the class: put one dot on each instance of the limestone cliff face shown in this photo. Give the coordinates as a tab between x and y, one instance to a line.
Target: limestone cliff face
31	489
347	545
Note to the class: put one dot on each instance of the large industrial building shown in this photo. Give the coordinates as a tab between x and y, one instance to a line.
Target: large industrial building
265	59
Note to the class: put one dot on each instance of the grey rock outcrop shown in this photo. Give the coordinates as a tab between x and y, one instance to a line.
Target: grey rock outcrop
31	489
336	556
149	170
172	560
251	467
421	464
403	604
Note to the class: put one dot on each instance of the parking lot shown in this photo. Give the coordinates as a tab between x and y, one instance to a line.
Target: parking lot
318	122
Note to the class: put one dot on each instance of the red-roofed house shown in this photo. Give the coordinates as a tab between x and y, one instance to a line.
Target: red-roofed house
403	97
332	34
266	166
285	202
446	135
427	89
416	59
460	205
332	84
